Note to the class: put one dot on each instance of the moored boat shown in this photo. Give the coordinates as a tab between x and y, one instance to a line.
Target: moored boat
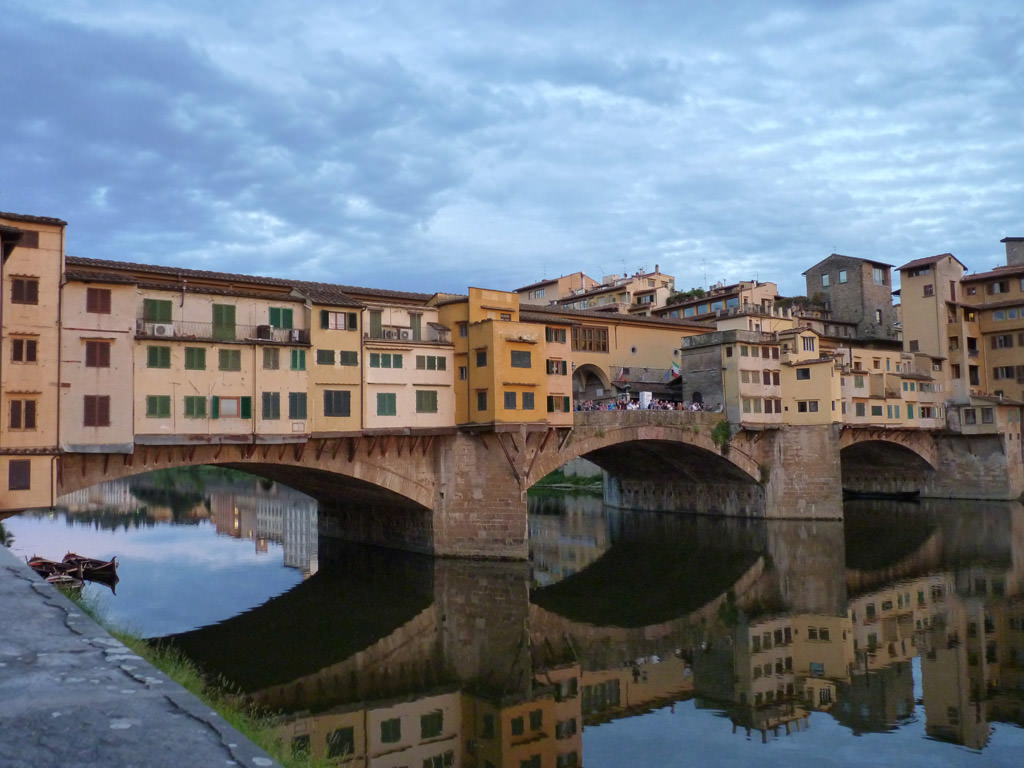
91	568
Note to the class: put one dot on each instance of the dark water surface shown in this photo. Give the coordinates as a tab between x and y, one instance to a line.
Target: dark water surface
895	638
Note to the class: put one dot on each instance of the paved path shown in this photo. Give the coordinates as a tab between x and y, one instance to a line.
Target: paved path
71	695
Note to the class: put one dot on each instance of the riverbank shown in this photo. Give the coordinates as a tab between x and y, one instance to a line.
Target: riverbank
70	694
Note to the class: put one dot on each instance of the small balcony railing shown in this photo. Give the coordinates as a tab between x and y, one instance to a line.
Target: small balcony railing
200	331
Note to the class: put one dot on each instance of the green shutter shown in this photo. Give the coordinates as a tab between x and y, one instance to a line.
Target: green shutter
325	318
246	407
566	405
223	321
353	322
215	407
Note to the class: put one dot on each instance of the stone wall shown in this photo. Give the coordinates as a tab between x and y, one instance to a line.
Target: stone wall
976	467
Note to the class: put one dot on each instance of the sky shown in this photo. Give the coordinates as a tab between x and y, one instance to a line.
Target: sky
431	146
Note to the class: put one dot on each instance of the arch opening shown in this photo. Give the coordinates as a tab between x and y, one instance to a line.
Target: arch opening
880	467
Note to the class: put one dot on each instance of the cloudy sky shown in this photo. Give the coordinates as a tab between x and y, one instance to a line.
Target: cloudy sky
430	146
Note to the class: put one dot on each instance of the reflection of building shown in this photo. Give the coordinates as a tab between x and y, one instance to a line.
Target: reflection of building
280	515
563	544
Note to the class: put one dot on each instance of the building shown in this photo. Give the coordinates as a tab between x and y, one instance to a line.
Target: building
721	301
856	292
550	291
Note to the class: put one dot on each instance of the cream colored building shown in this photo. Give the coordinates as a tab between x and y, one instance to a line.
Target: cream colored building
32	252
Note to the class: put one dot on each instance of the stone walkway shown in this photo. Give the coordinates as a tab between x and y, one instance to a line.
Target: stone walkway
71	695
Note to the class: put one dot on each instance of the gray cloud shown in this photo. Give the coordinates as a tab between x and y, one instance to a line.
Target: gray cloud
430	146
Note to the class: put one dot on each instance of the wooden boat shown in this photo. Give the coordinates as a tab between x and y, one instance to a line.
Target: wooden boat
65	581
45	567
90	568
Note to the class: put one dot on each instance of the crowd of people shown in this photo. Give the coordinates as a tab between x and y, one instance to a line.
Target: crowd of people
634	405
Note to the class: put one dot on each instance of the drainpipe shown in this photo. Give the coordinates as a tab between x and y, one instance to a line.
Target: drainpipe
60	340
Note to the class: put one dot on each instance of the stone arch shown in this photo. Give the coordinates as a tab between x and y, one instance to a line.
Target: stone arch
587	378
590	440
356	466
899	442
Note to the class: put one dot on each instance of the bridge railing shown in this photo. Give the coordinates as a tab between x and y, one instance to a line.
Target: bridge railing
646	417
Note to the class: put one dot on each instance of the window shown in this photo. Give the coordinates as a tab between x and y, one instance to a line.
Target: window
1000	286
296	405
19	475
391	730
298	360
195	407
325	357
517	726
929	290
824	280
987	416
481	400
341	742
878	315
223	321
510	401
556	335
876	410
280	317
195	359
25	290
1002	341
463	330
808	342
565	728
528	401
26	350
230	407
430	363
559	404
158	406
520	358
271	358
158	357
878	275
506	316
96	411
589	339
842	275
23	414
337	403
385	360
431	724
229	359
426	401
387	404
463	373
97	301
156	310
481	358
803	374
348	357
338	321
807	406
97	354
557	367
271	406
536	719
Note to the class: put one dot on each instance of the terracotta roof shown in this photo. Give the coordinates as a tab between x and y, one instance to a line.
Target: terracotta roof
1014	269
325	293
89	276
546	312
930	260
33	219
843	256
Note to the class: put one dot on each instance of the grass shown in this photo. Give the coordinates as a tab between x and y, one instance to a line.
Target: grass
261	728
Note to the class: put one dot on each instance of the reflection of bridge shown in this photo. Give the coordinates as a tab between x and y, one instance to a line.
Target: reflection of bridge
463	493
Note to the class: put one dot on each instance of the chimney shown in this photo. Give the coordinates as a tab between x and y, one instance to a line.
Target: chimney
1014	251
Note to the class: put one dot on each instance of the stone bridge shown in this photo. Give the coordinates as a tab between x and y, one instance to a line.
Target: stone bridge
463	493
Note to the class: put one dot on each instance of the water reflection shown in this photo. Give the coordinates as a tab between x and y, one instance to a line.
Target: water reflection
672	640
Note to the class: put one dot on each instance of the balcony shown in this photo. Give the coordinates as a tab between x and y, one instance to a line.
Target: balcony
199	331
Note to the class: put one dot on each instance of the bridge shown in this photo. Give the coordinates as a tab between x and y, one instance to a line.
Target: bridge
458	492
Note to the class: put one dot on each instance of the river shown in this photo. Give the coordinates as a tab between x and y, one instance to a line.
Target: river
894	638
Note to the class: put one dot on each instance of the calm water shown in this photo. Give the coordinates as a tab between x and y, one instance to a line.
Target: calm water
896	638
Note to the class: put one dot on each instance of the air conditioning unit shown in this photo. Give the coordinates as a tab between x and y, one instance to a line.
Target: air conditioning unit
390	333
263	332
405	334
163	329
295	334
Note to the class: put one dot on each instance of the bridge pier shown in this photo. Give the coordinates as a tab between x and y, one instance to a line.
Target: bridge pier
976	467
801	472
